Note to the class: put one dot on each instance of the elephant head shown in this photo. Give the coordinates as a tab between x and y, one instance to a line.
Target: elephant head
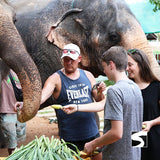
14	55
96	27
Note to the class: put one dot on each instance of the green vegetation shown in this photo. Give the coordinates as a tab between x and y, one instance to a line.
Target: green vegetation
108	83
156	52
44	149
156	3
105	80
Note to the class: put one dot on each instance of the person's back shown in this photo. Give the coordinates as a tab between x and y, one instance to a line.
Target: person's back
10	129
127	93
7	98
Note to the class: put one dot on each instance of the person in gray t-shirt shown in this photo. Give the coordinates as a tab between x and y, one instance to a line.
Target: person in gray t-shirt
124	104
123	110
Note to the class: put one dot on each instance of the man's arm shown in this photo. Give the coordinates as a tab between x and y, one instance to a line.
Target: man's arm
50	87
113	135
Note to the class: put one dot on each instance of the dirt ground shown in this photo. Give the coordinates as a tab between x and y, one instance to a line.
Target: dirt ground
38	126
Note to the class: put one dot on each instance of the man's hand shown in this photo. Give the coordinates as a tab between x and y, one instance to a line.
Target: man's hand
97	91
18	105
89	147
101	87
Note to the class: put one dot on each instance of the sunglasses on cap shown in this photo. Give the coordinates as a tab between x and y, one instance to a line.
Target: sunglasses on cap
65	51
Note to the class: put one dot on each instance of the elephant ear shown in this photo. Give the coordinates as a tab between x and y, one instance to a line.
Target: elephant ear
52	35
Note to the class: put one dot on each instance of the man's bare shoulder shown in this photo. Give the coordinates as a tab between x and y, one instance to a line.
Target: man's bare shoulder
54	78
89	74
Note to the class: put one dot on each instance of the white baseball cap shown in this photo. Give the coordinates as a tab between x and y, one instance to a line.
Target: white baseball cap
71	50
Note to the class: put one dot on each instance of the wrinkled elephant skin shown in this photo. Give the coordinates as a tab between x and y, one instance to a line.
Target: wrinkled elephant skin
99	26
14	55
92	24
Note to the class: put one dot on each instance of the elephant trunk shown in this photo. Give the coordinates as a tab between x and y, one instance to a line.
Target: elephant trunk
135	38
14	54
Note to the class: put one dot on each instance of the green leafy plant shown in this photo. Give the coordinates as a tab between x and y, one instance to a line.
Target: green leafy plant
156	3
45	149
108	83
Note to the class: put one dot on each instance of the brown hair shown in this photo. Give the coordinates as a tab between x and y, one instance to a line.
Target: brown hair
118	55
143	63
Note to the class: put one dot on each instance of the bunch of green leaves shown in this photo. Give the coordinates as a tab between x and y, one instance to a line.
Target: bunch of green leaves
44	149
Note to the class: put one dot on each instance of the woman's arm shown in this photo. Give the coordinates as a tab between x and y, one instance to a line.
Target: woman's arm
149	124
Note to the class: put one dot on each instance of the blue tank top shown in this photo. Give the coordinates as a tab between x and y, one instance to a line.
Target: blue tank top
79	125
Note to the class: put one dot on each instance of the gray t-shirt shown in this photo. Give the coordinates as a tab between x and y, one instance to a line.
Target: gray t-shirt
124	103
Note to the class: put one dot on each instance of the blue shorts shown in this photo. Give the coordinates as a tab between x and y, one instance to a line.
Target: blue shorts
11	130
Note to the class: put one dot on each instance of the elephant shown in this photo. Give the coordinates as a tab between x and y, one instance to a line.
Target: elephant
93	25
13	54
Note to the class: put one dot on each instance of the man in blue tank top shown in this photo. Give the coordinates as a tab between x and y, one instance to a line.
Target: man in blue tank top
71	85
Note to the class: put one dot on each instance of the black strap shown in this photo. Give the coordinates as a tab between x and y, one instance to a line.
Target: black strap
18	92
12	81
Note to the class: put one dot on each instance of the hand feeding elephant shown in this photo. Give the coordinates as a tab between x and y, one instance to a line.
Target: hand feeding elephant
92	24
13	55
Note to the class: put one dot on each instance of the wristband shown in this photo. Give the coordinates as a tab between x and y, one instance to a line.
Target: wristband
77	107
